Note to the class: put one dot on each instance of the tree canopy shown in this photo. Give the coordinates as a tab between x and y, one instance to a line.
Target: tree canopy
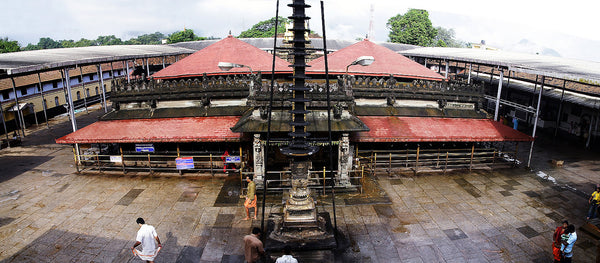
446	38
7	46
265	28
413	28
183	36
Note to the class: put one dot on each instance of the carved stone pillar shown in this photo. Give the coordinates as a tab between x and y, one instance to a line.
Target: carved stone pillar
344	161
259	160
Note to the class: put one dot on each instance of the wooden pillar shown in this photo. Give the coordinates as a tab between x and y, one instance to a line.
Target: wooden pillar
471	161
122	159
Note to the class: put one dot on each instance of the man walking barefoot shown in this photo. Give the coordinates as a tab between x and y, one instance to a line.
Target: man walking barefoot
148	238
250	198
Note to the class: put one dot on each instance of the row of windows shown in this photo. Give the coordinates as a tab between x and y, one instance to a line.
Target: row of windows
57	101
24	91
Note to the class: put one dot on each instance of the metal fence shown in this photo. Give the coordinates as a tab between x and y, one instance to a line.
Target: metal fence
434	160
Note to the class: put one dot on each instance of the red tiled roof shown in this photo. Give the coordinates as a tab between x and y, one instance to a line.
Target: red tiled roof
229	49
387	62
420	129
196	129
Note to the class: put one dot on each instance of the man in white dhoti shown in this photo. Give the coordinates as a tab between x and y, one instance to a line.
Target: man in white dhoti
149	240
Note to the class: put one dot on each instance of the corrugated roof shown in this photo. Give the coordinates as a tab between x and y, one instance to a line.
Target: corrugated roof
197	129
229	49
556	67
46	59
387	62
426	129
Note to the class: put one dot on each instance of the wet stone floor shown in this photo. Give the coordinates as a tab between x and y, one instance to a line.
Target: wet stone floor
48	213
51	214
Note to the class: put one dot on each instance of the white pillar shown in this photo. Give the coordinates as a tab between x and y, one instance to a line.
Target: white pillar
102	87
537	112
498	95
470	69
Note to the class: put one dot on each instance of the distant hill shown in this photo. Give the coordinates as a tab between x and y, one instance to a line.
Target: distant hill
530	47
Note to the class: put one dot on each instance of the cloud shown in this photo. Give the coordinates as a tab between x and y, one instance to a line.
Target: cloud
500	23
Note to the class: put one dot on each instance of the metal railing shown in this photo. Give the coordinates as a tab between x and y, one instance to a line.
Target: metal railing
434	160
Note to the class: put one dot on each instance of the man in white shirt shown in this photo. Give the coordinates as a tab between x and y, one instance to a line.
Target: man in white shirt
287	256
567	246
146	237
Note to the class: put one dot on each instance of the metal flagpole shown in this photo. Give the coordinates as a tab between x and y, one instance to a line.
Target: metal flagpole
269	111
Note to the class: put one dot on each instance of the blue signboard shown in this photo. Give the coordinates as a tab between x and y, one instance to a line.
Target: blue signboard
184	163
144	147
233	159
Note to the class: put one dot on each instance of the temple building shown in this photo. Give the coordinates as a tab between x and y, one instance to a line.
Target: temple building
209	113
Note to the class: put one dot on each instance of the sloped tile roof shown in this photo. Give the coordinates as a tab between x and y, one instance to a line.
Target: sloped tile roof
196	129
427	129
229	49
387	62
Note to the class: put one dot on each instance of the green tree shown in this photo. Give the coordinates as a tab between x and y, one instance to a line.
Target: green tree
108	40
84	43
413	28
146	39
447	36
44	43
265	28
183	36
7	46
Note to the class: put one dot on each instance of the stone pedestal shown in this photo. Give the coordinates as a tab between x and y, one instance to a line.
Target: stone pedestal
300	224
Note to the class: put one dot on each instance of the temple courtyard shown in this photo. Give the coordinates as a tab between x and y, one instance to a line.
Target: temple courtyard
49	213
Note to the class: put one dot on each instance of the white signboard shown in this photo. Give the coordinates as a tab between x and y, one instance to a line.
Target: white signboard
116	159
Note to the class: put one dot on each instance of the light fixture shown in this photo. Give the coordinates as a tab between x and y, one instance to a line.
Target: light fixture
226	66
362	60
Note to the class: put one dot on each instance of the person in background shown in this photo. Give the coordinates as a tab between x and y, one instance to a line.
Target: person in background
287	256
594	200
147	237
250	198
569	239
253	247
557	241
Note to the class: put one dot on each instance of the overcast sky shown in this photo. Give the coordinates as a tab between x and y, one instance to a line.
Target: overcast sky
568	27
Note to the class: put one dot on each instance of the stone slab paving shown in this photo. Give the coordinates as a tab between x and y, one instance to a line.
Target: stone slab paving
48	213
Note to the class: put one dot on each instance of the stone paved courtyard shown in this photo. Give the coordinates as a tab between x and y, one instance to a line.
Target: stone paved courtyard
48	213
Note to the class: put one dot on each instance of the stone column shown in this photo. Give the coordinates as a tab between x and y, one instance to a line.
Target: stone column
259	160
344	161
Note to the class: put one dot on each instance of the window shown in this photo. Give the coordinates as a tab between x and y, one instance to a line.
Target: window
23	91
87	92
91	77
78	95
5	95
96	90
44	104
78	79
56	102
55	85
